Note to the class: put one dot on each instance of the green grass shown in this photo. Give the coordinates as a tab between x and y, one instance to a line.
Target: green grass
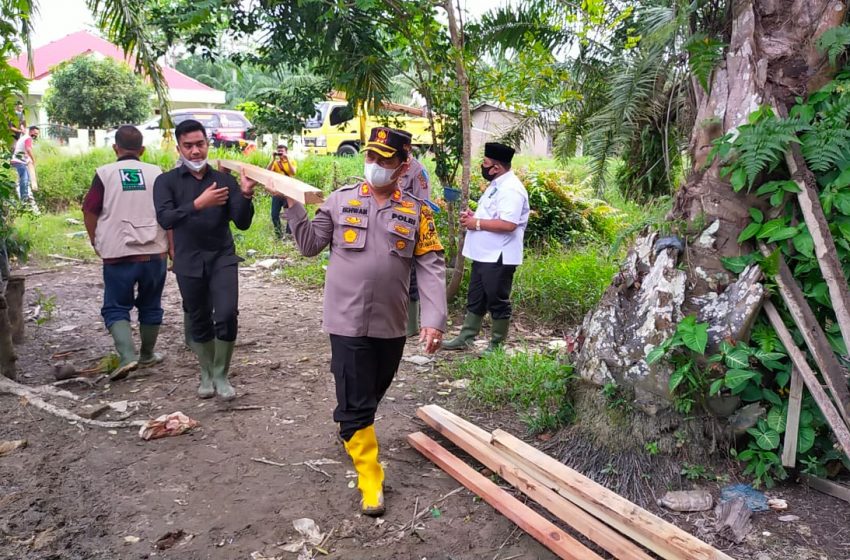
536	385
51	234
560	287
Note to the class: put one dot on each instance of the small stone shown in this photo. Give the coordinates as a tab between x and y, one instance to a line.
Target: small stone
788	518
131	539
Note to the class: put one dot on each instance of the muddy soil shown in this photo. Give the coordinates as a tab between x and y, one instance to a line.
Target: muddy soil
86	493
91	493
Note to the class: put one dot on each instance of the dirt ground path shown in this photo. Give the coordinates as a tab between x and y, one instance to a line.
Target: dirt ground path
85	493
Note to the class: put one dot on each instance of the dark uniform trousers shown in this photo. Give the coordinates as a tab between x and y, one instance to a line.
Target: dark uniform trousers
363	368
212	302
490	289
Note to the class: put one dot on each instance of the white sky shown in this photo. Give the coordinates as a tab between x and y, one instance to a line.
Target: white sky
58	18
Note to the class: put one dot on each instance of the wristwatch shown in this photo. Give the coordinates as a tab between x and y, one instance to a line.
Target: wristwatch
477	225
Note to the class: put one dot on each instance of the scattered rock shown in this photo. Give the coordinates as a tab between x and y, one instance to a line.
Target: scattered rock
268	264
777	504
66	328
687	500
93	411
251	253
169	539
788	518
130	539
7	446
64	370
557	344
418	360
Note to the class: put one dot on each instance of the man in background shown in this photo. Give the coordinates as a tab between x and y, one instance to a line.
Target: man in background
414	180
22	158
494	243
121	222
281	164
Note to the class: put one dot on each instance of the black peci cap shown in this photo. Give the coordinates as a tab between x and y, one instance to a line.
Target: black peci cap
499	152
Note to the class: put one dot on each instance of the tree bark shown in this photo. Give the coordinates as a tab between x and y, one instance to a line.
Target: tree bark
8	357
771	57
466	129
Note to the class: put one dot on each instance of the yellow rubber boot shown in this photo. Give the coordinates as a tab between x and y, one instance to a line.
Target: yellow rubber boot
363	449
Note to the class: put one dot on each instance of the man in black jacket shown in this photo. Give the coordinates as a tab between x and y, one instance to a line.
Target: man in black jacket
198	203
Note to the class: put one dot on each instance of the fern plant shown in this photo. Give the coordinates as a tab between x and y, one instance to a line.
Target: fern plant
834	41
704	54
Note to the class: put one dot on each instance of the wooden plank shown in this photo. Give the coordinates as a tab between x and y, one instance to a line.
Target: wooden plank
813	334
825	251
833	418
275	183
792	422
661	537
827	487
476	442
549	534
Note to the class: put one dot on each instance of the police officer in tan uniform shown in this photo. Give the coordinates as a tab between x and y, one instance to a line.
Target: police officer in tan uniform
415	181
376	232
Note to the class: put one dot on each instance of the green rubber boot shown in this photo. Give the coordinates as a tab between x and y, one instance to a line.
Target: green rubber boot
147	357
498	333
205	351
412	319
122	336
468	332
221	369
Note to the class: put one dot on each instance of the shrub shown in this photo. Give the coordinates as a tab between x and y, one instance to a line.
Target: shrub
535	384
561	287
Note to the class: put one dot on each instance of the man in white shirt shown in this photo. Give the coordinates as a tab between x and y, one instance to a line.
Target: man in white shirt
493	242
22	156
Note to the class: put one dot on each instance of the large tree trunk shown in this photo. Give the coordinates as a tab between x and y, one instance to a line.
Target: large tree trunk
771	58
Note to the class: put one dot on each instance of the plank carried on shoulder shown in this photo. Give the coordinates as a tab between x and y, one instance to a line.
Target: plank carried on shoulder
457	430
554	538
276	183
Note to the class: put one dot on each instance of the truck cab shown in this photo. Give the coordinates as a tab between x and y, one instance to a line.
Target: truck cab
335	129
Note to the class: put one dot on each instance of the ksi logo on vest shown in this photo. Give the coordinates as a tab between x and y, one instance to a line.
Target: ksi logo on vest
132	180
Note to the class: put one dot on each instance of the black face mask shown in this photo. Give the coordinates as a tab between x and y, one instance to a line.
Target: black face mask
487	173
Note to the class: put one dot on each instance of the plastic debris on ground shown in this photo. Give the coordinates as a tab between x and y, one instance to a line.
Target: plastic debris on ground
754	499
167	425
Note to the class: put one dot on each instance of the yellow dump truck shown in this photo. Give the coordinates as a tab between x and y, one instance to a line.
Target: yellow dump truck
335	128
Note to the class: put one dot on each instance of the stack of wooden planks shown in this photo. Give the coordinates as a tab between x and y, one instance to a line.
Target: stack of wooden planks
616	525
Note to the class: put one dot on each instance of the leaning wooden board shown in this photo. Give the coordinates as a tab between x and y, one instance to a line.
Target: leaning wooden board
457	430
526	518
276	183
661	537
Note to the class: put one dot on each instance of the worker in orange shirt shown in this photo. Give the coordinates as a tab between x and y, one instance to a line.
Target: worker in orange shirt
281	164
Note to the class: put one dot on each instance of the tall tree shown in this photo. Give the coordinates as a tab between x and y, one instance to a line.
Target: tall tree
92	93
771	59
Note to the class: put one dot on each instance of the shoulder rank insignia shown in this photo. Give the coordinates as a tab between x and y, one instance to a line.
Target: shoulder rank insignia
396	195
349	235
353	220
364	189
400	245
354	202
